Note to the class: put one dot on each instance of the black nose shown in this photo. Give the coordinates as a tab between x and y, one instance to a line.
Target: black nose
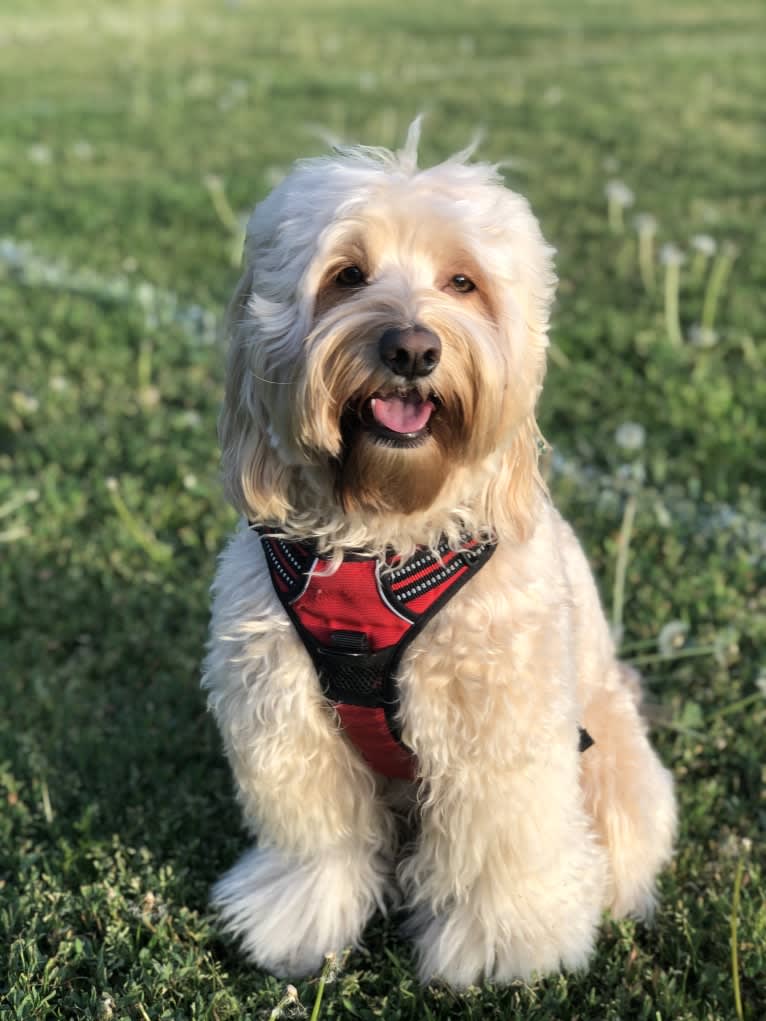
411	352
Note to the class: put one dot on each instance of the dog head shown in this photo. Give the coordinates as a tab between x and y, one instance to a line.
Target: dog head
388	344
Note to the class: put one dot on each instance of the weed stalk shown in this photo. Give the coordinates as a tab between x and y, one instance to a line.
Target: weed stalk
718	276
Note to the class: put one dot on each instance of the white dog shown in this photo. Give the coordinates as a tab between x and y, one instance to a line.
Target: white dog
388	345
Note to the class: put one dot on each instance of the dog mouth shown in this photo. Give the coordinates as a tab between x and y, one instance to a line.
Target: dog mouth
399	419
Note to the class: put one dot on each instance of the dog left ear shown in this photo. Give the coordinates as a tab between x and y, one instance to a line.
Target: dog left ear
519	486
516	489
255	479
533	286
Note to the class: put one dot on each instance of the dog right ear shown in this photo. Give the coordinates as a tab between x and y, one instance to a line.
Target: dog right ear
255	479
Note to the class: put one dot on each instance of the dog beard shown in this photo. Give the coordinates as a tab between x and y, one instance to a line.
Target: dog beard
387	474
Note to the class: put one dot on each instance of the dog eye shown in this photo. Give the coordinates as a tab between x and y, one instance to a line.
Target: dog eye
350	276
462	284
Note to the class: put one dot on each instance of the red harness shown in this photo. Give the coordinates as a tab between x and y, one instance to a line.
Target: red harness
356	624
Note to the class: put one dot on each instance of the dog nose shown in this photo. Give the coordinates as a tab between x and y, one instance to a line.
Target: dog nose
411	352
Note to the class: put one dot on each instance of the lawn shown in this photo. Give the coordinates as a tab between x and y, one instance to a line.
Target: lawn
133	136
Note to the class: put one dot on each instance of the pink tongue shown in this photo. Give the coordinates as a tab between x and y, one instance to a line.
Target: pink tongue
401	414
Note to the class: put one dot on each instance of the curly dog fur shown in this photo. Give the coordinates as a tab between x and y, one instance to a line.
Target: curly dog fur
520	841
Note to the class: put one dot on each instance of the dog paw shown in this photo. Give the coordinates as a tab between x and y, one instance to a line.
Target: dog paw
453	948
289	914
503	942
641	843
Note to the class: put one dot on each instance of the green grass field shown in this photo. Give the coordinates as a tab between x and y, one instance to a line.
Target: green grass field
132	138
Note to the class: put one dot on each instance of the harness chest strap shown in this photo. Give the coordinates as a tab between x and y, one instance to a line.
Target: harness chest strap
356	624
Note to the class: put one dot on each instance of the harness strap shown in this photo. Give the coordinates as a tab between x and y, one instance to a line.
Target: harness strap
356	624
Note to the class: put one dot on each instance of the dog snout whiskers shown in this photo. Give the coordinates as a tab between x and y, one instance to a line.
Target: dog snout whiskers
412	352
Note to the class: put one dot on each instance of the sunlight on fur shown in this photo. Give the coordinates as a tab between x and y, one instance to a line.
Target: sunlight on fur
387	351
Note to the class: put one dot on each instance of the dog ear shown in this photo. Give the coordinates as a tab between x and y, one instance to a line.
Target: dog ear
519	486
255	479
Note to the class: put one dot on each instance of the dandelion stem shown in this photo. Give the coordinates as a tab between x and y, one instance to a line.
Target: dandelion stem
620	571
14	533
144	366
221	204
226	215
672	315
643	643
558	357
699	264
16	501
45	797
665	657
646	259
741	703
718	275
734	950
616	221
329	964
160	552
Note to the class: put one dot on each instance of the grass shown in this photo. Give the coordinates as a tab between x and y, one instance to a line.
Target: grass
127	135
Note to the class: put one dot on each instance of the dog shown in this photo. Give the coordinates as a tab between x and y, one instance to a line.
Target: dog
409	664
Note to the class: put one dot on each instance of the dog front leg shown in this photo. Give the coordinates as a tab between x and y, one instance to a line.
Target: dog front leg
319	868
507	879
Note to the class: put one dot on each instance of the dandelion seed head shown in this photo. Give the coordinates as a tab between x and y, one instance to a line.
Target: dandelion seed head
733	846
12	253
25	402
672	637
149	396
213	182
145	295
702	336
106	1007
671	255
330	45
82	150
39	154
630	436
704	244
619	193
645	223
192	419
726	647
